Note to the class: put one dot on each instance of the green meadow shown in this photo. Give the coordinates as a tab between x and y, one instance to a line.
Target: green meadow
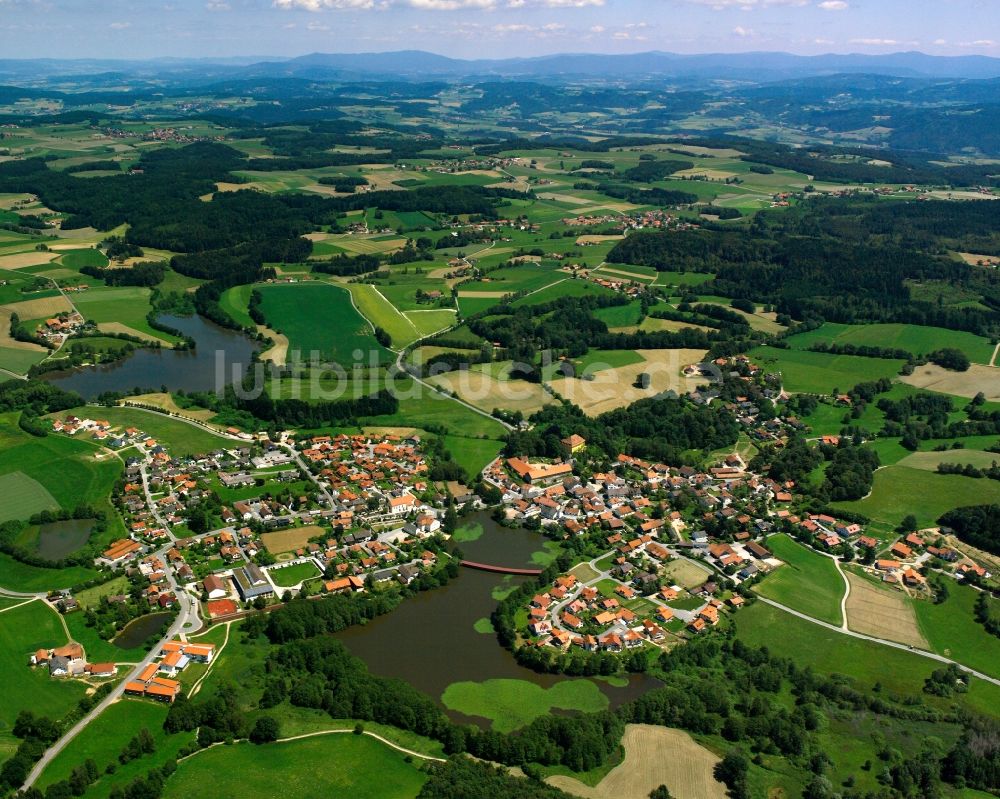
808	582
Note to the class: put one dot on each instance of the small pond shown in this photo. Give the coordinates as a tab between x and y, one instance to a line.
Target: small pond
138	630
57	540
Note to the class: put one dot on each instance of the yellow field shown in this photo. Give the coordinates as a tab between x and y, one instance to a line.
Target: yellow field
564	198
601	240
963	384
488	393
486	295
363	246
973	259
12	343
654	756
278	353
118	327
883	613
290	540
166	402
23	259
40	308
613	388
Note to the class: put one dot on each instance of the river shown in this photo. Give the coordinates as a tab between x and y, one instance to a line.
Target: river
430	639
188	370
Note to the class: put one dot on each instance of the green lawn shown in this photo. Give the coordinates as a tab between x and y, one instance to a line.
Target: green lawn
382	313
831	652
808	582
527	277
511	704
74	259
952	630
820	373
596	360
564	288
431	321
312	768
293	575
128	305
39	473
918	339
620	315
235	301
179	437
901	490
320	317
23	631
473	305
17	576
472	454
19	361
98	650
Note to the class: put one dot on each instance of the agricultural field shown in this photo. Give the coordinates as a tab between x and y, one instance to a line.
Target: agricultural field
978	379
55	471
831	652
687	771
901	490
917	339
290	539
126	306
319	317
17	576
952	630
511	704
486	387
807	582
614	388
234	302
290	768
882	612
821	373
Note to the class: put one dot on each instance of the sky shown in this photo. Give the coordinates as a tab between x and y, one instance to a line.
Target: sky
492	28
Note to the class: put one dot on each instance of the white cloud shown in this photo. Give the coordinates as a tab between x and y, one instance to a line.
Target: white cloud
747	5
321	5
216	5
978	43
120	26
742	32
823	41
834	5
875	42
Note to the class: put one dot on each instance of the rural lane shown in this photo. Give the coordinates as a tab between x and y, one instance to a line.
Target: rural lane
873	639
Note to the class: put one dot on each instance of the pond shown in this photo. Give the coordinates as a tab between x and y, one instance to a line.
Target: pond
57	540
137	631
191	370
431	640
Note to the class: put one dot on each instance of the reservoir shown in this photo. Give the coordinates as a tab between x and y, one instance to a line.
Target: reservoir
188	370
430	640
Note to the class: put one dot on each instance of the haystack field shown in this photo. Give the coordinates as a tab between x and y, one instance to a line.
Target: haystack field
23	259
964	384
654	756
487	392
614	388
881	612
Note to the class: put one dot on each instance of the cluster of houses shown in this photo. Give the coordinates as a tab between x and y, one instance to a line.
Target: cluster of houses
656	219
70	661
157	679
57	329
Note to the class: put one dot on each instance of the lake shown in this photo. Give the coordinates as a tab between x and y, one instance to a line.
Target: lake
137	631
190	370
430	640
56	540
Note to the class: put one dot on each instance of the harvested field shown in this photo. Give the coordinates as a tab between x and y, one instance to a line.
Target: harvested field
963	384
597	239
630	275
290	540
40	308
487	392
654	756
23	259
974	259
166	402
118	327
12	343
278	353
484	295
883	613
363	246
614	388
685	573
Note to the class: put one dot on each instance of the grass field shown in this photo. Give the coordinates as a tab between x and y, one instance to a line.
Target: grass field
820	373
687	771
38	471
177	436
380	312
564	288
17	576
831	652
917	339
952	631
511	704
235	301
319	317
311	768
472	454
808	582
24	630
882	612
901	490
288	576
127	305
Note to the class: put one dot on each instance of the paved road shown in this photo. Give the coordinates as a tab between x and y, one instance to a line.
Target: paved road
893	644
